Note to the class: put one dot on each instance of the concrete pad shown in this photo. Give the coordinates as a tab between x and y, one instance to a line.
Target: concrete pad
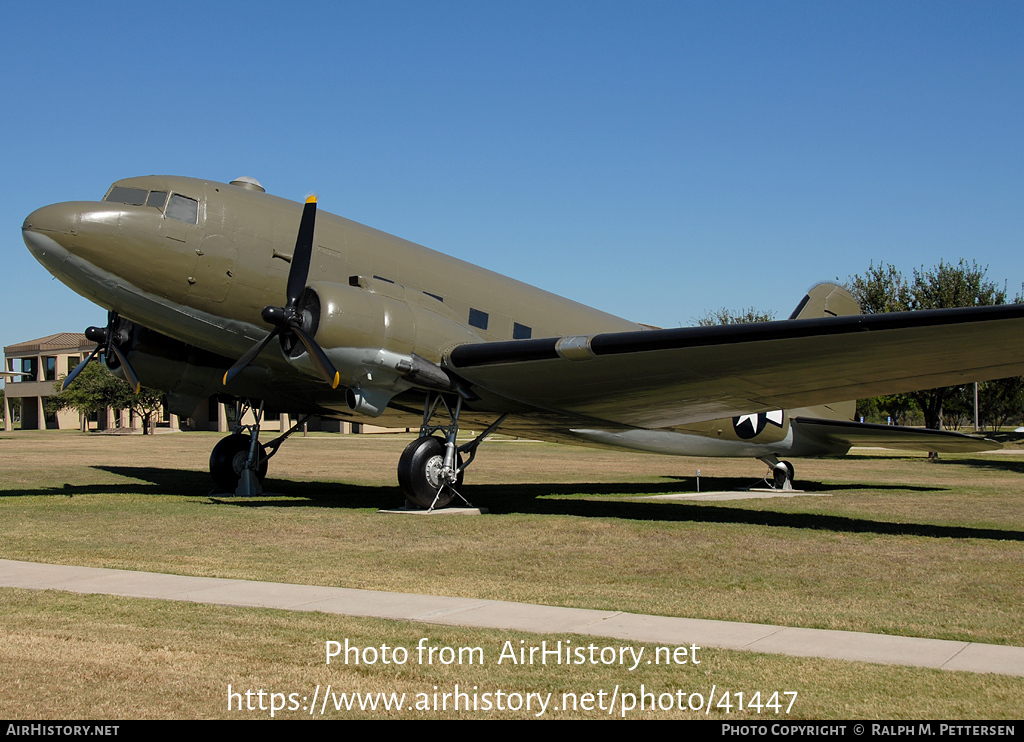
469	612
526	617
851	645
757	494
406	510
397	606
669	630
989	658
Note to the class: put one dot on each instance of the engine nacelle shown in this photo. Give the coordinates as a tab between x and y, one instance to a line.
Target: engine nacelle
371	313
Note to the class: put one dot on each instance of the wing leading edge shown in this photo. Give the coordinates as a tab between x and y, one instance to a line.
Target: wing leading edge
663	378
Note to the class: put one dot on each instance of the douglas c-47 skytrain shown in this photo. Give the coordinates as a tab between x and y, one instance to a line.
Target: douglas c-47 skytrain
221	289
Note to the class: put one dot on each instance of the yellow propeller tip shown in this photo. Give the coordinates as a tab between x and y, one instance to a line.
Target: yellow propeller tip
337	380
311	200
226	378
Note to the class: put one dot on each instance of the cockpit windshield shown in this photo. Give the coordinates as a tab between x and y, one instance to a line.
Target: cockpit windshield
131	196
180	208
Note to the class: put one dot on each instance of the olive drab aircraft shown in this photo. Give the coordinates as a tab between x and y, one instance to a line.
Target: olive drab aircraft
221	289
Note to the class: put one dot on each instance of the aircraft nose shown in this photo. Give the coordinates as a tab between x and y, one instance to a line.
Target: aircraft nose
50	232
56	218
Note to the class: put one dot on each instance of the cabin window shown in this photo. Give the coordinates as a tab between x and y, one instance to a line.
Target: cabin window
478	318
183	209
521	332
130	196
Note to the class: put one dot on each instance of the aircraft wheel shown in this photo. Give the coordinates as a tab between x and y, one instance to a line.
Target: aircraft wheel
419	472
792	472
783	475
227	461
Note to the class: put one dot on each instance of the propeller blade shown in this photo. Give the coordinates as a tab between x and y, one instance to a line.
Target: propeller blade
299	270
250	354
78	369
320	360
133	378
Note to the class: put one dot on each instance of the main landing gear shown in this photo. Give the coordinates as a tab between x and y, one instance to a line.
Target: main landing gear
238	463
431	469
781	473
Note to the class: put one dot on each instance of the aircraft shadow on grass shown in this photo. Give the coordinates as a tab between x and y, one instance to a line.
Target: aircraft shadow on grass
1004	464
534	499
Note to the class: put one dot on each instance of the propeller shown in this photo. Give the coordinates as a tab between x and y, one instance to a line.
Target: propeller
288	320
107	338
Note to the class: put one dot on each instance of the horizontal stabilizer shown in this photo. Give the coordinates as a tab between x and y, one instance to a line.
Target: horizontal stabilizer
894	436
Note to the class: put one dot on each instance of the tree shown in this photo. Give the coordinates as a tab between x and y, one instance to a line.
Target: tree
883	288
95	389
144	404
1001	401
725	316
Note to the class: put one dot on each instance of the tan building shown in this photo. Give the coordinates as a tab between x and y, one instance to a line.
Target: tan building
42	361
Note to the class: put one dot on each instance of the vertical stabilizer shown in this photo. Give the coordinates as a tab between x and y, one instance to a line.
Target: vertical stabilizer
827	300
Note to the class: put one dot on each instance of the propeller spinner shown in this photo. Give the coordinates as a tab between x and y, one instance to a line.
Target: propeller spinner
288	320
107	338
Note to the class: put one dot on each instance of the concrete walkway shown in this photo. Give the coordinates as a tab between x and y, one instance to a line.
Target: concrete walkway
844	645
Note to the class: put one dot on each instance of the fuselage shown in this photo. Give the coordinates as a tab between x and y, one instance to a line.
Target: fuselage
196	261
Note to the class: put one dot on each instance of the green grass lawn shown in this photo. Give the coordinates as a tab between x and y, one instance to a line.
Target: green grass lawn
899	545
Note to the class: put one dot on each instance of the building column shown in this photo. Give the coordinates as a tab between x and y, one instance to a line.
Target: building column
222	418
175	425
286	421
8	425
40	414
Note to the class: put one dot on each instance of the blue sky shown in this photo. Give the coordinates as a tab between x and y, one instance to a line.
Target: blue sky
657	160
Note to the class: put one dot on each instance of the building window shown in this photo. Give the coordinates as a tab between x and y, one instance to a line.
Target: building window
478	318
31	367
50	366
521	332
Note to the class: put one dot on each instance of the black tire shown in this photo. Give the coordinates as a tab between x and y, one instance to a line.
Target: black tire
417	469
792	471
782	475
227	460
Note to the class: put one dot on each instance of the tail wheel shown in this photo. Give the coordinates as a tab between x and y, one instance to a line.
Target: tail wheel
227	461
783	475
420	473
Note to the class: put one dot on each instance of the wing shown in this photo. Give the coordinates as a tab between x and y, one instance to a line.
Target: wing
662	378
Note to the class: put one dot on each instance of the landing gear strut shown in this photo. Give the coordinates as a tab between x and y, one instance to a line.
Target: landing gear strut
230	457
431	469
238	463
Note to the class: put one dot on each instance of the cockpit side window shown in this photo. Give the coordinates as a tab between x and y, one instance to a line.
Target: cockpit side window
131	196
183	209
157	199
